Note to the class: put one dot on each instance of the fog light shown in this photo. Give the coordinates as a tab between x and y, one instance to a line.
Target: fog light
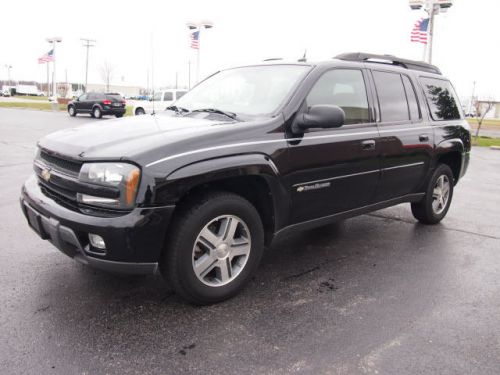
97	241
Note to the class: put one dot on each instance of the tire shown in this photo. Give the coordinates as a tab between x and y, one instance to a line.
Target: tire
119	115
140	111
226	268
72	111
436	202
96	112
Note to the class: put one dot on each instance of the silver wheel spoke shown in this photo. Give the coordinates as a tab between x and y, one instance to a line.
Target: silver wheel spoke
241	247
228	229
224	270
208	238
204	265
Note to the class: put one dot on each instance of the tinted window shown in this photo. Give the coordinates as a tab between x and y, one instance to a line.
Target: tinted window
83	97
412	98
91	96
114	96
168	96
442	99
345	88
180	94
391	97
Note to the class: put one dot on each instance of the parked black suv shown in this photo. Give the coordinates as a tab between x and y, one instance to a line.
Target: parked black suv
98	104
249	154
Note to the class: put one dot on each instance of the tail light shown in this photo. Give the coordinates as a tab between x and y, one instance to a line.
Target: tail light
123	101
106	102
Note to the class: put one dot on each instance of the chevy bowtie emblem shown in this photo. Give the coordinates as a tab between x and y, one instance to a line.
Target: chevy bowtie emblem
45	174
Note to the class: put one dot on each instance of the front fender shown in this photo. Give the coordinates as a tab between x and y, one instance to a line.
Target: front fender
184	179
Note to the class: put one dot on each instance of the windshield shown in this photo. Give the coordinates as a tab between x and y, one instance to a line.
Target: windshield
250	91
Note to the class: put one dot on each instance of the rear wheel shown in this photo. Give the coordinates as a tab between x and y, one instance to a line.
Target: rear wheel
139	111
119	115
215	245
96	112
434	206
72	110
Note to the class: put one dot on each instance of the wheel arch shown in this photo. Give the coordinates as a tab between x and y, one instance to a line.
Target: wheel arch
252	176
450	152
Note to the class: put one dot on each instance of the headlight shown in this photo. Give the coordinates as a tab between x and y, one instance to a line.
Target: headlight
123	176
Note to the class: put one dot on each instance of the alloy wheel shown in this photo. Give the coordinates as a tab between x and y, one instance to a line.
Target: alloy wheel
440	194
221	250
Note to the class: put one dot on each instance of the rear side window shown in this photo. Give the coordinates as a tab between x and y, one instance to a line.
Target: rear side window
344	88
442	99
168	96
391	97
412	99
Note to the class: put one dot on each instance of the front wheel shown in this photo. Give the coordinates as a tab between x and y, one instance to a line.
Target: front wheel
140	112
72	111
119	115
436	202
96	112
215	245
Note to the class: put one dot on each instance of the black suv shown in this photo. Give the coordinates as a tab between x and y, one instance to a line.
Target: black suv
248	155
98	104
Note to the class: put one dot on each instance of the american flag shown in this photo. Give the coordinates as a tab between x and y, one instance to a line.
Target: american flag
195	39
419	31
49	56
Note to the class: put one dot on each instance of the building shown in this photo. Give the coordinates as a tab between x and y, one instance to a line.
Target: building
482	105
124	90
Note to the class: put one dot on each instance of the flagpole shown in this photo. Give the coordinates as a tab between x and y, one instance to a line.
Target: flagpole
198	57
48	81
431	32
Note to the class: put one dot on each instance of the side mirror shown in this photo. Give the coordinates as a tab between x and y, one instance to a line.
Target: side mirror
320	116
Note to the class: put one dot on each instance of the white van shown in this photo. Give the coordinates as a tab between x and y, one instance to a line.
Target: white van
159	101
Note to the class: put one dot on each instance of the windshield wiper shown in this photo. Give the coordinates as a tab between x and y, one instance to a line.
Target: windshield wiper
231	115
176	109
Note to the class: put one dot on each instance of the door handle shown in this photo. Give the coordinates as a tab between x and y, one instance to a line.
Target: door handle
423	137
368	145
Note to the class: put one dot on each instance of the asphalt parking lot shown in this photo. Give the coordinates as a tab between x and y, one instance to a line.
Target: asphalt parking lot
377	294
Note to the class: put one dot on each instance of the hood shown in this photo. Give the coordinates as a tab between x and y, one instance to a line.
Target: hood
129	137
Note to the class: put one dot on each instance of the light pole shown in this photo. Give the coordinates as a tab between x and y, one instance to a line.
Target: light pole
88	44
9	67
54	40
432	7
199	26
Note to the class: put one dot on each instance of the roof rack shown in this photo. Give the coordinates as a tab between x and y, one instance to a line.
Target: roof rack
389	59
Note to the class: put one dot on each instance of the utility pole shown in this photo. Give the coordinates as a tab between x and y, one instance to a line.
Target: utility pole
189	75
88	44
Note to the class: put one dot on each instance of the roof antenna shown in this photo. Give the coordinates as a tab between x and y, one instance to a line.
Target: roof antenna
152	73
304	58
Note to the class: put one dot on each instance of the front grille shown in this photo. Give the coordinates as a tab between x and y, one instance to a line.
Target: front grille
64	165
59	198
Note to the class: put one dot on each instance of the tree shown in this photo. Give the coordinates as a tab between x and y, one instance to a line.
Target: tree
107	71
481	113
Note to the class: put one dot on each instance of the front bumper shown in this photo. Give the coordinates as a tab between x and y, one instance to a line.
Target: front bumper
134	240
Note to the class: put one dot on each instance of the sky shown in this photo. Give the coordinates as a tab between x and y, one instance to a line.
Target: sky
138	37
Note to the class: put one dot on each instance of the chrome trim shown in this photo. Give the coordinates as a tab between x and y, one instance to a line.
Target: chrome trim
358	174
403	166
285	140
336	178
